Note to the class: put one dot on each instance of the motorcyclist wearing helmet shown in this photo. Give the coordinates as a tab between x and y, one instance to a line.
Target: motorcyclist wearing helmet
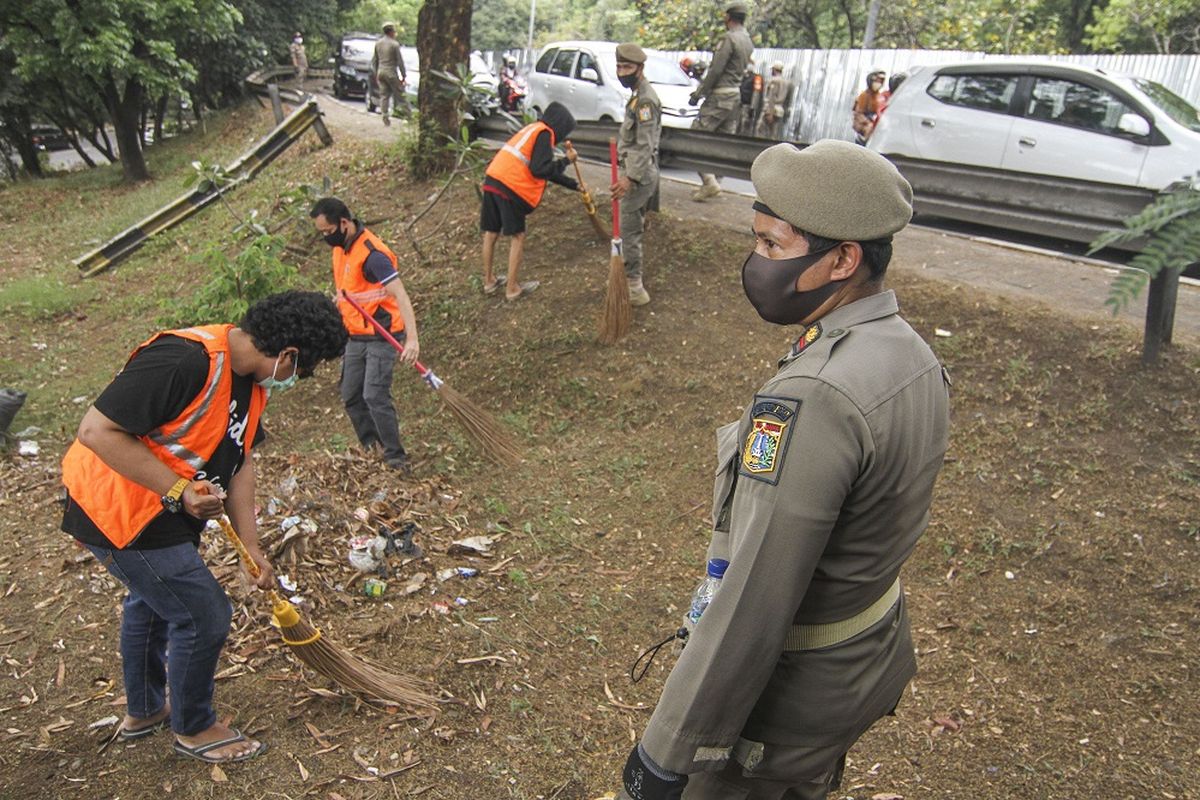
868	105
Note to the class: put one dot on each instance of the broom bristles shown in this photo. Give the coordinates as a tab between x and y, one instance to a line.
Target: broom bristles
492	437
355	674
618	313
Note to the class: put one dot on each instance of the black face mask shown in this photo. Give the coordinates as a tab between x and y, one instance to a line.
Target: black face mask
629	81
336	239
770	285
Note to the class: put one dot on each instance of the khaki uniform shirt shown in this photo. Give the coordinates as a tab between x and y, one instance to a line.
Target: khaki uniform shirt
729	62
822	489
299	57
637	141
775	97
387	57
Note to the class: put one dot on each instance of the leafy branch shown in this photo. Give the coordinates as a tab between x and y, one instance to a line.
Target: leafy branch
1171	225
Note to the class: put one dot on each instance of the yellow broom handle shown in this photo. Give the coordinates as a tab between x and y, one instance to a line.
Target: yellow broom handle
240	546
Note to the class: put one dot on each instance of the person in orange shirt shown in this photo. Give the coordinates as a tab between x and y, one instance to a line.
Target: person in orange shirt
365	269
513	187
868	106
165	447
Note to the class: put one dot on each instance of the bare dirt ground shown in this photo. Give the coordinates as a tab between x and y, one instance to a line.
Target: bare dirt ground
1053	597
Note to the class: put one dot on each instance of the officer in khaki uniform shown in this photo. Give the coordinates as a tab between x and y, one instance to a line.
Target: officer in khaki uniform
637	154
387	64
775	103
721	88
823	488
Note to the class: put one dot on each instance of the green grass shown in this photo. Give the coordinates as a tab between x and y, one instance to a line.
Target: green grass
42	298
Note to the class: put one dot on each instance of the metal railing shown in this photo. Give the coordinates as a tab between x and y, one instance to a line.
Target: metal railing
306	116
1062	208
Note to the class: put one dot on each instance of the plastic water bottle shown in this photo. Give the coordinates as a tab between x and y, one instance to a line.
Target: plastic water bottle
707	588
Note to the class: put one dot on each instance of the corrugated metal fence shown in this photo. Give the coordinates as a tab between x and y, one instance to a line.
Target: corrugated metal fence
827	81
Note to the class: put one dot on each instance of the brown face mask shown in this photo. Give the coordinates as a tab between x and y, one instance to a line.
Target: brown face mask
770	285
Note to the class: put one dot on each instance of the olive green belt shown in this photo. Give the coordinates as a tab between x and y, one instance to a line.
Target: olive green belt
827	634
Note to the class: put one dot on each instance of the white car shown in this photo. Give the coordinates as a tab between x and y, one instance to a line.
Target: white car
583	77
1048	118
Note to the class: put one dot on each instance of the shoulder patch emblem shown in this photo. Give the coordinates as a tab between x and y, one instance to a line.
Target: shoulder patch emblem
645	113
766	442
810	335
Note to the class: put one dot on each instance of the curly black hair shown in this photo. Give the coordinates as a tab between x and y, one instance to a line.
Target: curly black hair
308	321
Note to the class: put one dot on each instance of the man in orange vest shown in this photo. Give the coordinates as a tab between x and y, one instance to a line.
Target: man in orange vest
365	269
513	187
165	447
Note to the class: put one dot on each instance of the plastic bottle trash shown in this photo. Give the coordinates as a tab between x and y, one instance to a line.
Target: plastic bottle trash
707	588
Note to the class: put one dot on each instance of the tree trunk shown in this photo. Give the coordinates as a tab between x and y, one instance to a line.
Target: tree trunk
443	42
125	112
160	113
19	122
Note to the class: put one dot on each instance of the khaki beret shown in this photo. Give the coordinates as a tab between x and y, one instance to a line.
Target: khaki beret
833	189
737	8
631	53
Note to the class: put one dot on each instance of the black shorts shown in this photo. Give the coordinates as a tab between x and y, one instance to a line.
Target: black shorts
500	215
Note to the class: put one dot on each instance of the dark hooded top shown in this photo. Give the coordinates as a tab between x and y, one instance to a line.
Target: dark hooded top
543	164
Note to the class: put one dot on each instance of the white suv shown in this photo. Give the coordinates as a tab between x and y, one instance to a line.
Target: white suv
1048	118
583	77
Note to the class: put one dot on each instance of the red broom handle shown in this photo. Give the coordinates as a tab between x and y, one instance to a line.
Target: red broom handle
426	372
612	157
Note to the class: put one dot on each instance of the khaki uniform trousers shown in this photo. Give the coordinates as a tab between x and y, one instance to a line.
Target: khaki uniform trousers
390	90
633	222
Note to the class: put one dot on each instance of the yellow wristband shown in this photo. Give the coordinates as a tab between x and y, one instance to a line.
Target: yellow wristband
176	491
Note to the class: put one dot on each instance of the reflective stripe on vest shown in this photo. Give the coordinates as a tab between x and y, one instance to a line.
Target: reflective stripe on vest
510	165
122	508
373	297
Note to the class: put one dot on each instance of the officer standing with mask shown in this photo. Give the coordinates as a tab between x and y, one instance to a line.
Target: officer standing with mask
365	269
637	153
823	488
721	88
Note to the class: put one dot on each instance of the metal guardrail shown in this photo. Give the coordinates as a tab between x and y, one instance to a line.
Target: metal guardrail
1062	208
244	169
1074	210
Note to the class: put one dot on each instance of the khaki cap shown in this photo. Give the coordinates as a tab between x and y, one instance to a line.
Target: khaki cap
777	65
737	8
631	53
833	189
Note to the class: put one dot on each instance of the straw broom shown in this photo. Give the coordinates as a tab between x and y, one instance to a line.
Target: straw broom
618	313
589	205
496	442
324	657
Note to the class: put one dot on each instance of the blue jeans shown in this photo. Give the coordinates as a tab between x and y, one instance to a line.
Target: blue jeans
175	606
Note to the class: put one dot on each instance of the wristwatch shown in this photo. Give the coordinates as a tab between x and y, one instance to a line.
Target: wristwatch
171	500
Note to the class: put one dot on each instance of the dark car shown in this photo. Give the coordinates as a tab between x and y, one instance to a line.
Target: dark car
352	65
48	137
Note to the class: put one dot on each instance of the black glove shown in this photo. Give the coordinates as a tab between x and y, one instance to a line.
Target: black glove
693	99
645	780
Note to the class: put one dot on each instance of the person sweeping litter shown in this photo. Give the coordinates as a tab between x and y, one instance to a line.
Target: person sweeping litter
513	187
165	447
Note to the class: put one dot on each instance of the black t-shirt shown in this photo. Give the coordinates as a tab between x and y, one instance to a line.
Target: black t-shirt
154	388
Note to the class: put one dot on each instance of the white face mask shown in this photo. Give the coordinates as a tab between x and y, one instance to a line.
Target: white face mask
298	40
273	384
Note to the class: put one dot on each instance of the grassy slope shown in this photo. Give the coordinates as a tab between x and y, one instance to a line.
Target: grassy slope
1070	467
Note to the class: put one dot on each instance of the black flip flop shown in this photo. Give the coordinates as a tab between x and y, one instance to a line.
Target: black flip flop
200	752
133	734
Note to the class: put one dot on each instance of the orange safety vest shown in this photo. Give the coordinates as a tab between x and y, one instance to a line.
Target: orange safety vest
511	164
373	297
122	508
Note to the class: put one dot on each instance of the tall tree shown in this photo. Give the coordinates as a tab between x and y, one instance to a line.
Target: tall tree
443	45
1156	26
125	52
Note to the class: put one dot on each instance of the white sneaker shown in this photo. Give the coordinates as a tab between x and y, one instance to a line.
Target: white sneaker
638	296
